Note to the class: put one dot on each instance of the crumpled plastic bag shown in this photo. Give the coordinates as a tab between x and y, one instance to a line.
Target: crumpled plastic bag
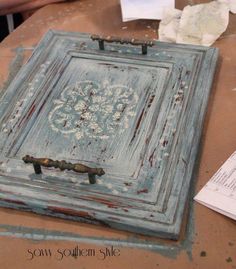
198	25
231	4
169	25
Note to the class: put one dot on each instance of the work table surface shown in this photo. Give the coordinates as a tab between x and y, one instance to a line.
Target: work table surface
210	238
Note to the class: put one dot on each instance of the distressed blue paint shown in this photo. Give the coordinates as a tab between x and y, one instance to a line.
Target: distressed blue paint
148	154
169	250
166	249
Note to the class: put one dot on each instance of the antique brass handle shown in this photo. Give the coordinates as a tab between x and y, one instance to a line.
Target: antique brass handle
132	41
63	165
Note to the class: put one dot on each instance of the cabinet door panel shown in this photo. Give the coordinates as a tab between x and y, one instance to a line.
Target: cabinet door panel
139	117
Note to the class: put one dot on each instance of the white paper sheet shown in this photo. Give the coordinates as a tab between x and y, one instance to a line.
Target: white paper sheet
144	9
219	193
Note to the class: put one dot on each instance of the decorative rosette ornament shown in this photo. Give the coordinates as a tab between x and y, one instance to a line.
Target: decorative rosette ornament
89	110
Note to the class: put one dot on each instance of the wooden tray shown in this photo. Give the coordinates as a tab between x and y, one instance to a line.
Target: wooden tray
137	116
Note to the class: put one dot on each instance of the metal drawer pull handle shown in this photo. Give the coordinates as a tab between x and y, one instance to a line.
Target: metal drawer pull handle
132	41
63	165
